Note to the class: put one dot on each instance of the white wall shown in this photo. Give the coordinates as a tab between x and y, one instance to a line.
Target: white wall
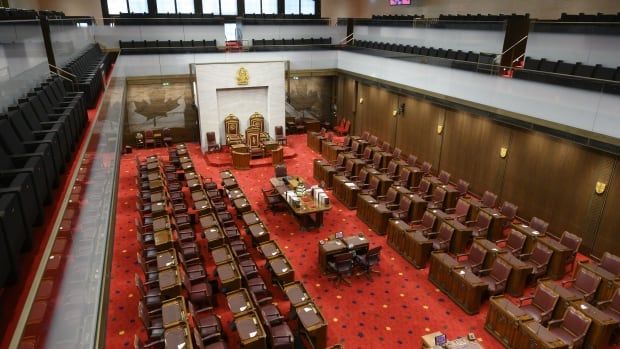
68	40
265	78
573	47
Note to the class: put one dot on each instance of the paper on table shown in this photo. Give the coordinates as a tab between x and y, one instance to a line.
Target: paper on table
253	334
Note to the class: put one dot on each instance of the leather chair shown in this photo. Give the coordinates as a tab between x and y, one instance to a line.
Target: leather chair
397	153
194	268
280	170
392	170
481	226
412	160
365	135
209	326
372	140
571	329
497	277
200	293
460	212
444	177
212	144
200	345
475	258
462	186
423	189
538	259
277	156
367	155
514	242
149	269
488	199
274	200
584	284
509	210
611	263
167	137
441	239
573	242
438	199
342	266
138	344
426	168
611	306
149	139
426	224
372	188
153	325
149	293
404	177
539	225
280	137
279	333
542	304
368	260
404	208
390	198
241	161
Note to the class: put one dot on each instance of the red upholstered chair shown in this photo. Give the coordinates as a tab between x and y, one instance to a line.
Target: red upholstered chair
412	160
488	199
584	284
481	227
497	276
279	333
167	134
441	239
367	155
460	212
573	242
611	306
212	144
462	186
404	208
514	242
426	168
209	325
373	187
343	128
475	258
538	259
149	139
280	137
542	304
200	293
571	329
611	263
390	198
149	293
438	199
376	162
509	210
426	224
152	322
392	170
444	177
423	189
539	225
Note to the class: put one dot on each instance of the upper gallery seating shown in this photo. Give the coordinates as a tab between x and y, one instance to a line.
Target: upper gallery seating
468	60
13	14
474	22
88	69
278	19
165	19
570	74
167	46
37	139
290	44
582	17
478	17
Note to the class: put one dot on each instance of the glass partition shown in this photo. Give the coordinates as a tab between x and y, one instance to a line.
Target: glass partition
66	306
23	60
70	37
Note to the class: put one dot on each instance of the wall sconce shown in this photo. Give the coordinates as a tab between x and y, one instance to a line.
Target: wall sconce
361	100
503	151
394	112
439	129
600	187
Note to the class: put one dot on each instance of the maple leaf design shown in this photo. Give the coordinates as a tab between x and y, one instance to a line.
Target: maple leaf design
156	108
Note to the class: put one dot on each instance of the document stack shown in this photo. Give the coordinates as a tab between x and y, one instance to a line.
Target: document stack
320	197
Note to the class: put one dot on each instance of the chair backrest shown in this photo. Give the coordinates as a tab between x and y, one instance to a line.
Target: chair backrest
462	187
483	221
439	195
340	159
257	120
428	220
462	208
500	270
576	322
344	261
405	204
412	159
477	254
349	167
571	241
488	199
391	195
405	175
544	298
139	284
539	225
277	155
365	135
386	146
374	183
397	153
143	314
355	147
611	263
280	170
541	254
586	281
373	140
252	137
231	125
367	155
167	132
198	338
445	232
392	168
362	177
425	186
376	160
210	137
427	167
148	133
509	210
373	255
279	130
444	177
516	240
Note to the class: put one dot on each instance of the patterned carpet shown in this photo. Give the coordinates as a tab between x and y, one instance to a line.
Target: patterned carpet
392	311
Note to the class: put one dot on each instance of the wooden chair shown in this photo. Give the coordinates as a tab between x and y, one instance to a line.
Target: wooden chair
231	130
257	120
253	141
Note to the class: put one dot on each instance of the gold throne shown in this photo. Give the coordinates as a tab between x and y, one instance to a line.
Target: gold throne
257	120
231	130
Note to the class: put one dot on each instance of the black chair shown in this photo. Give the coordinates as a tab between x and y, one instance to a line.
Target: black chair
368	260
342	266
274	200
280	170
14	236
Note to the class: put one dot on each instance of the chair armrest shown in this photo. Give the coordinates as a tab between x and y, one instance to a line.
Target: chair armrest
432	234
149	283
554	322
212	336
450	210
483	271
563	283
202	310
426	197
546	312
604	302
459	255
392	206
523	299
503	241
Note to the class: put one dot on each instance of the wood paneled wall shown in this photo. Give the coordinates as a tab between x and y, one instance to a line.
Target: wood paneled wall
545	176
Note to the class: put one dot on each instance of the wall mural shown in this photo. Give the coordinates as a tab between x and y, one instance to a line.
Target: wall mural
312	94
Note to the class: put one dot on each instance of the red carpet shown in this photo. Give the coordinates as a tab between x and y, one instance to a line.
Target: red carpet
392	311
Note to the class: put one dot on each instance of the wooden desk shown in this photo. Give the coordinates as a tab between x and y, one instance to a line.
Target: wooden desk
296	293
158	209
214	237
308	205
258	232
173	312
158	196
395	231
378	216
357	243
440	270
269	249
203	207
329	248
187	166
270	146
152	176
496	227
199	195
517	279
534	335
161	223
235	194
242	205
166	259
230	183
492	252
170	283
163	239
229	276
208	221
451	196
178	336
365	203
566	298
557	265
239	148
346	191
475	206
317	169
609	282
601	327
226	174
420	251
250	218
358	164
312	322
282	269
467	290
239	302
331	151
532	236
221	255
460	238
313	141
250	330
361	144
504	319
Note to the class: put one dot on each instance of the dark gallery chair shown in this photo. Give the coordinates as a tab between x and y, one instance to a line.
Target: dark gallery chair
368	260
342	267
